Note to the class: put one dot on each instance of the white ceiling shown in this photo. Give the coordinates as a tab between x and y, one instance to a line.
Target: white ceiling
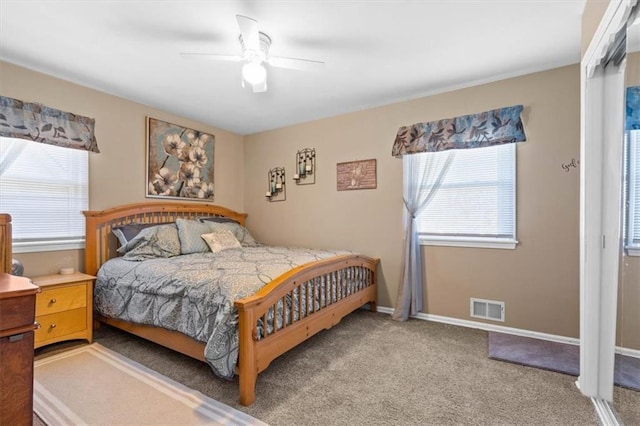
376	52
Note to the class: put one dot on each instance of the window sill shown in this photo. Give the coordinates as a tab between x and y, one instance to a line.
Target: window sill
633	250
492	243
41	246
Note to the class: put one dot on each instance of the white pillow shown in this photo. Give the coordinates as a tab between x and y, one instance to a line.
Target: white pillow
218	241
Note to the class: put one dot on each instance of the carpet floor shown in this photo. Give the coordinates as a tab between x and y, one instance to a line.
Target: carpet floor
559	357
371	370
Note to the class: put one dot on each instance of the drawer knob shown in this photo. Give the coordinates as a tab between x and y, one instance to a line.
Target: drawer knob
52	326
52	301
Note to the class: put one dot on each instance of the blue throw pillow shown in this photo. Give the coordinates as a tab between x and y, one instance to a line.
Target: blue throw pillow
190	233
153	242
126	233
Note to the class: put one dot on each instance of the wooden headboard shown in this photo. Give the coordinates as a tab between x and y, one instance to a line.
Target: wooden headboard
101	245
5	243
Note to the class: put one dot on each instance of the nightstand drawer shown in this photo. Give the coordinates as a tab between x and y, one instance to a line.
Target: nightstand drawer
61	299
60	324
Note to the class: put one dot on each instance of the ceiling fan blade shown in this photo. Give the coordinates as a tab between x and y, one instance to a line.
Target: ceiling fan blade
249	32
214	56
260	87
295	63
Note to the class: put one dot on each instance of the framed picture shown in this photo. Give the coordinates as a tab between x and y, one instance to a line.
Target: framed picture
357	175
179	162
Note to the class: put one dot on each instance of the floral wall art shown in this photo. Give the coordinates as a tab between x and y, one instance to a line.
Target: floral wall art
180	162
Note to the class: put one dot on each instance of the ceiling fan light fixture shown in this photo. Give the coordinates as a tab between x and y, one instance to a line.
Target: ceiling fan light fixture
255	46
254	73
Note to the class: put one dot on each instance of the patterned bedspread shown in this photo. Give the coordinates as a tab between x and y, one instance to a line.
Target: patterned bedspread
194	293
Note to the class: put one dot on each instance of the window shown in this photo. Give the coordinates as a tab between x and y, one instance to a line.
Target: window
632	191
475	205
44	189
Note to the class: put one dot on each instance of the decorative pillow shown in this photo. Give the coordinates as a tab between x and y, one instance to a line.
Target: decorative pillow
218	241
126	233
153	242
190	232
240	232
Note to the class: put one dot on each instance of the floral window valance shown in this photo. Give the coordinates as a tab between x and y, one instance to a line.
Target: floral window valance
632	121
495	127
36	122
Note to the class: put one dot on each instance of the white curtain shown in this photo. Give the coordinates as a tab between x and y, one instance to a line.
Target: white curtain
9	152
422	176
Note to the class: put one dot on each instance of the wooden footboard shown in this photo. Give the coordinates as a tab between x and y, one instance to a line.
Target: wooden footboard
299	304
286	312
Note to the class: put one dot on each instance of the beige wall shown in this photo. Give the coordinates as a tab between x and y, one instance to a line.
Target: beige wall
538	280
628	332
543	268
117	174
591	17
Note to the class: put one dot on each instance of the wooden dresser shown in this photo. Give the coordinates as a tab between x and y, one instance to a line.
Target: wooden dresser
17	312
64	308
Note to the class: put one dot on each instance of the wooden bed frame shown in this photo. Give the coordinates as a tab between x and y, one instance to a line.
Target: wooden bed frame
255	352
5	243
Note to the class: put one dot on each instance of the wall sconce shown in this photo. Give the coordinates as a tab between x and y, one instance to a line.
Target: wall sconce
276	185
305	167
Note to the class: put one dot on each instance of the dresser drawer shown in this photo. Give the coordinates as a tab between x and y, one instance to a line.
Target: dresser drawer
61	299
60	324
17	303
16	312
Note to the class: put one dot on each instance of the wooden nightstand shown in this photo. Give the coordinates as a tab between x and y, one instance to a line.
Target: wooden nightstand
64	308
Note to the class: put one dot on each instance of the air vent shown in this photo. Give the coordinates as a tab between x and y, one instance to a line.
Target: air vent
487	309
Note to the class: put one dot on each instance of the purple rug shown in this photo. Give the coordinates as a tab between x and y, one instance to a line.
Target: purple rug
558	357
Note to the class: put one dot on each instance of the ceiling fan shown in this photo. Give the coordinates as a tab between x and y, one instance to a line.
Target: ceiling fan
255	53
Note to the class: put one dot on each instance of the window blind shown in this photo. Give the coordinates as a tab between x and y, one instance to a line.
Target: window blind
45	189
633	189
477	196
